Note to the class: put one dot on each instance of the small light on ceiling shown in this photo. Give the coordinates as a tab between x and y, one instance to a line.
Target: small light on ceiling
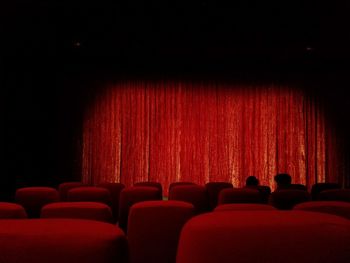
309	49
76	43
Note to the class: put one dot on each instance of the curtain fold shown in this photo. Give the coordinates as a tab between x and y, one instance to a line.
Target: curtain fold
169	131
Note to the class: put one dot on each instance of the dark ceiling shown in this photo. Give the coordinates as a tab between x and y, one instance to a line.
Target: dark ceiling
182	30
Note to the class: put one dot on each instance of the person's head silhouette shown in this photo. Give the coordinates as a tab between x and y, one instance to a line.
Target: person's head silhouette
252	181
283	180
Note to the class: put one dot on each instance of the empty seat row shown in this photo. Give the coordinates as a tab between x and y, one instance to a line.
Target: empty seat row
264	236
155	228
61	240
203	199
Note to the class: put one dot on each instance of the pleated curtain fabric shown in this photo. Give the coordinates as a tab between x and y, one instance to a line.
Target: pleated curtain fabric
168	131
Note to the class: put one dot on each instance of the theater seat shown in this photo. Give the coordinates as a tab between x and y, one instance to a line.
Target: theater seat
11	210
63	189
287	199
193	194
81	210
179	183
265	192
239	195
213	190
330	207
244	207
319	187
132	195
335	195
89	194
152	184
265	236
61	241
114	189
154	229
34	198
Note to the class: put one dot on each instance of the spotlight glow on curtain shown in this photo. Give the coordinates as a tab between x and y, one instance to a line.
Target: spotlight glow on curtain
169	131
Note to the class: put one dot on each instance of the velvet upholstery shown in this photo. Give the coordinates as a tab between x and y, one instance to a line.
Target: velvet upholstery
243	207
114	189
81	210
154	229
330	207
61	241
89	194
11	210
265	236
132	195
63	188
194	194
239	195
286	199
34	198
213	190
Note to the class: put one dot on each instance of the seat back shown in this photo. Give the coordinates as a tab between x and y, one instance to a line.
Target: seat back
179	183
154	229
265	192
63	189
319	187
239	195
213	190
89	194
193	194
132	195
152	184
243	207
330	207
61	240
265	236
287	199
114	190
335	195
80	210
34	198
11	210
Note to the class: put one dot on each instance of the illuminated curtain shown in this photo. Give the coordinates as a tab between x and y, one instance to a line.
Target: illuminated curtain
169	131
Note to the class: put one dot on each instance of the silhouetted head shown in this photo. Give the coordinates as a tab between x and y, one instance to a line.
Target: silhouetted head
283	179
252	181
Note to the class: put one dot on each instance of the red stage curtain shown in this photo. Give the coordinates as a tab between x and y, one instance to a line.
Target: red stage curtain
169	131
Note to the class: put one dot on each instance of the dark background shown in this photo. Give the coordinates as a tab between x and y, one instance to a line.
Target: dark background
55	53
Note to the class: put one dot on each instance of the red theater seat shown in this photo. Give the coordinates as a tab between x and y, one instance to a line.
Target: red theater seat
180	183
265	236
89	194
152	184
319	187
61	241
335	195
132	195
34	198
194	194
287	199
243	207
63	189
239	195
265	192
154	229
213	190
114	189
330	207
10	210
81	210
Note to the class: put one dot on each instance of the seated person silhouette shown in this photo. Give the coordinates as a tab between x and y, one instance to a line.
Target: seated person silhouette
283	181
252	181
